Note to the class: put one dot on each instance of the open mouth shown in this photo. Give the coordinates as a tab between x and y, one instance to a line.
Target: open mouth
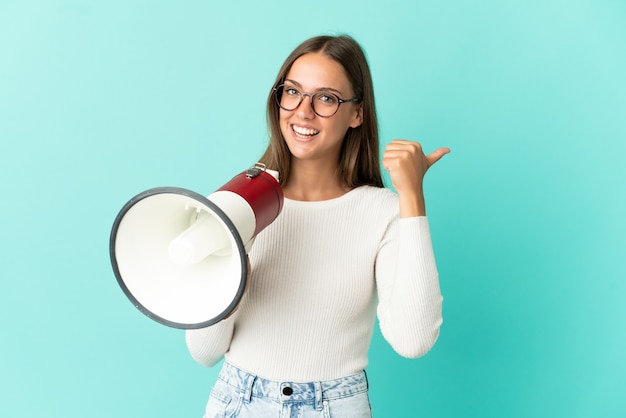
304	133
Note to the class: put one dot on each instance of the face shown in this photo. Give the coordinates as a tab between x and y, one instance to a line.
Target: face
309	136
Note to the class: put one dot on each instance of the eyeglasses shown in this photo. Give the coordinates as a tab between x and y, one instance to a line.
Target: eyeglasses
324	103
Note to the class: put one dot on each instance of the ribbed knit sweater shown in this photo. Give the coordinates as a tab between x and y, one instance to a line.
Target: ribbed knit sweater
321	272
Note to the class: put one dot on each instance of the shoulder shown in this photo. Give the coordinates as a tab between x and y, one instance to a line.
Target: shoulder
372	194
376	199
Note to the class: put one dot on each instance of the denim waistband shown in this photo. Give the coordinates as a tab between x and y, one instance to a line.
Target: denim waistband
292	392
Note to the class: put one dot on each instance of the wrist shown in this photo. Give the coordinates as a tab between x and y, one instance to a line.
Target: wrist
412	204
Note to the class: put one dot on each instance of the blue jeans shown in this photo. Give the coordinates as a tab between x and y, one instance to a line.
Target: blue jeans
240	394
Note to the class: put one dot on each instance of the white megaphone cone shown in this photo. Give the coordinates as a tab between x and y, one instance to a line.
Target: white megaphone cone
181	258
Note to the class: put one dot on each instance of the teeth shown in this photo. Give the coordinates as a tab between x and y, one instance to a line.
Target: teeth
304	131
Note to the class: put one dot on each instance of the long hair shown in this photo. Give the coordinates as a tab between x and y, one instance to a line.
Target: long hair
359	156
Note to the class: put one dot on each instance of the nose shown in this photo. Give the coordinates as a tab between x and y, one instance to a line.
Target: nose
305	109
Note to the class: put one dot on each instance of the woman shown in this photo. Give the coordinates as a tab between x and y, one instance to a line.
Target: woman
343	249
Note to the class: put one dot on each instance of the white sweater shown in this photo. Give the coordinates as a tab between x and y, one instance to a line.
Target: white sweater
320	274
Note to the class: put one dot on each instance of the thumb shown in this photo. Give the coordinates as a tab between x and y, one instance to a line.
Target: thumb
436	155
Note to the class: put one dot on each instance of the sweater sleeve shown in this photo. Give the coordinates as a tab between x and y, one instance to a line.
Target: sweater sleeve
208	345
409	297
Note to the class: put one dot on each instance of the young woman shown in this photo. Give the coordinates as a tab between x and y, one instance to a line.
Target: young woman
343	250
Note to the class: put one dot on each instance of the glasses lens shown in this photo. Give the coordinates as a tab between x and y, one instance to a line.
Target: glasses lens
287	97
325	104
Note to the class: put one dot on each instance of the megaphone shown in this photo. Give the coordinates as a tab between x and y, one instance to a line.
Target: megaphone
181	258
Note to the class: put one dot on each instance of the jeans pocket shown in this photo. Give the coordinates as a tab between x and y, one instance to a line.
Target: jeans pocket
354	406
223	401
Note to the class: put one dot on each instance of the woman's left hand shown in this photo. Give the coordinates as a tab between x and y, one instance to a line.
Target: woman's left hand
407	164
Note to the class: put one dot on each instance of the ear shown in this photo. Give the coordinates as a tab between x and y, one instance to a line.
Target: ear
357	120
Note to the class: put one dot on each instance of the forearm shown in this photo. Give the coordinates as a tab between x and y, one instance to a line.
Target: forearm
208	345
410	307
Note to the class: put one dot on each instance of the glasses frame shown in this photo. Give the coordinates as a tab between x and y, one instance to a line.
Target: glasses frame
339	100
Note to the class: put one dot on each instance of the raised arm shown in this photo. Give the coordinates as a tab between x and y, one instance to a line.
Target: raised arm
410	301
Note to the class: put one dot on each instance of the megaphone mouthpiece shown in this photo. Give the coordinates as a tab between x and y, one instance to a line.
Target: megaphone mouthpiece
204	237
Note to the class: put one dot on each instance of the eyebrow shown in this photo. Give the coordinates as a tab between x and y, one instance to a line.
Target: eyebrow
287	80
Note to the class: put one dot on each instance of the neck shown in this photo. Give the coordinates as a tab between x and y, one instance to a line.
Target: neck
314	181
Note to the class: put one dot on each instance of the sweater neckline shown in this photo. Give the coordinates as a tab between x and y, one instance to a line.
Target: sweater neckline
326	202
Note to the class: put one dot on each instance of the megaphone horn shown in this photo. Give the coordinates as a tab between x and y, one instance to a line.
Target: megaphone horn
181	258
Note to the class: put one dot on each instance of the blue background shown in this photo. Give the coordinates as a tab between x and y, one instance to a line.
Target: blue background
101	100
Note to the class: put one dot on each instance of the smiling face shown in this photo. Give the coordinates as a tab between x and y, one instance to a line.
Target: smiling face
309	136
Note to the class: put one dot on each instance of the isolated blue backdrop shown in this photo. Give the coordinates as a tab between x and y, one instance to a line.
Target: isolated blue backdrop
101	100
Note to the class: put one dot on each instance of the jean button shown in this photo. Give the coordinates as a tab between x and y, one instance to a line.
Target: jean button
287	391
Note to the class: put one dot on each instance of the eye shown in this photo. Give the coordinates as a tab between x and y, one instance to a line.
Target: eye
291	91
326	98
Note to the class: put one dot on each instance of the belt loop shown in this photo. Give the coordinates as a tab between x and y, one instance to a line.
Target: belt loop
318	396
247	389
367	382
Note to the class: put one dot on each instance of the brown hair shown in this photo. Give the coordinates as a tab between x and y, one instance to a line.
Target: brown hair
359	156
